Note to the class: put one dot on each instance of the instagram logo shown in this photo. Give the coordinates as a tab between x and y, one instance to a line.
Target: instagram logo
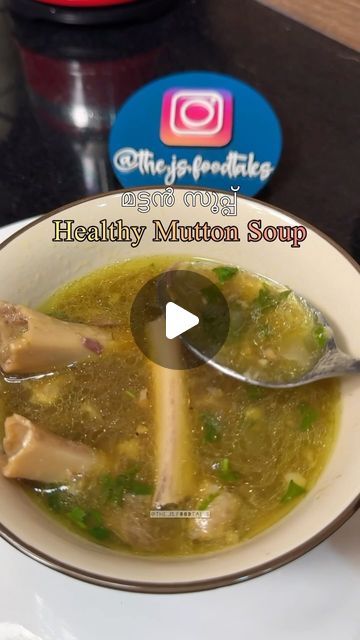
196	118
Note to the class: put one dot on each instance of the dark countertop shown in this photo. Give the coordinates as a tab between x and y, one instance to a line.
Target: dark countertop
50	75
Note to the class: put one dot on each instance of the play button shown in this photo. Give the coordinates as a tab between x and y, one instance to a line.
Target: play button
194	313
178	320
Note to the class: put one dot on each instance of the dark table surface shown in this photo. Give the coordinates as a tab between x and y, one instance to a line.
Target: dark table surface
60	87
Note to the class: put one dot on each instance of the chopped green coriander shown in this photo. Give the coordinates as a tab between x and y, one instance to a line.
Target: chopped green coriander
57	500
91	521
225	472
93	518
283	295
138	488
293	491
225	273
213	323
106	484
114	488
130	394
100	532
211	293
308	415
211	427
320	335
266	300
77	515
54	502
205	502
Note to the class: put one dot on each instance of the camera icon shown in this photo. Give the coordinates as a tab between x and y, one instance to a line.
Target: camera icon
196	118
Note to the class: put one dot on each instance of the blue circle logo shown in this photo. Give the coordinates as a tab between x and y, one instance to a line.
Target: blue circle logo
199	128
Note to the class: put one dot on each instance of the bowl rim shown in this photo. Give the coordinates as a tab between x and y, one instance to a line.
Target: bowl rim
207	583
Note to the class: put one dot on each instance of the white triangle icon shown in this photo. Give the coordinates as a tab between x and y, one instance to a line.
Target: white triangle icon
178	320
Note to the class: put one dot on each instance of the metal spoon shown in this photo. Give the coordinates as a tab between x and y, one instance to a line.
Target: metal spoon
332	363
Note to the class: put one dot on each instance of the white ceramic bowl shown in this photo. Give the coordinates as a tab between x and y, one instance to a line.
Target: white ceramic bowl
32	266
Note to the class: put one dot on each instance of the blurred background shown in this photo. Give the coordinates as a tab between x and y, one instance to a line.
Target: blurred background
61	85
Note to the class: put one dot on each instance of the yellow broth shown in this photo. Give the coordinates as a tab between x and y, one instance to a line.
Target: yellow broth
263	448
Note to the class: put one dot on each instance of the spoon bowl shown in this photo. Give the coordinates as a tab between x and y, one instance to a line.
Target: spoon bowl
332	363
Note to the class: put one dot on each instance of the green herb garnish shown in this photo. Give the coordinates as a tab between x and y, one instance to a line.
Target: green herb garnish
57	500
320	335
211	427
93	518
95	525
225	472
106	484
293	491
266	300
130	394
205	502
138	488
308	416
114	488
225	273
283	295
77	516
213	323
91	521
54	502
211	293
117	488
100	533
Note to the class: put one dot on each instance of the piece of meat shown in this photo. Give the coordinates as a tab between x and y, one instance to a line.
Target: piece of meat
224	510
35	454
132	523
32	342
